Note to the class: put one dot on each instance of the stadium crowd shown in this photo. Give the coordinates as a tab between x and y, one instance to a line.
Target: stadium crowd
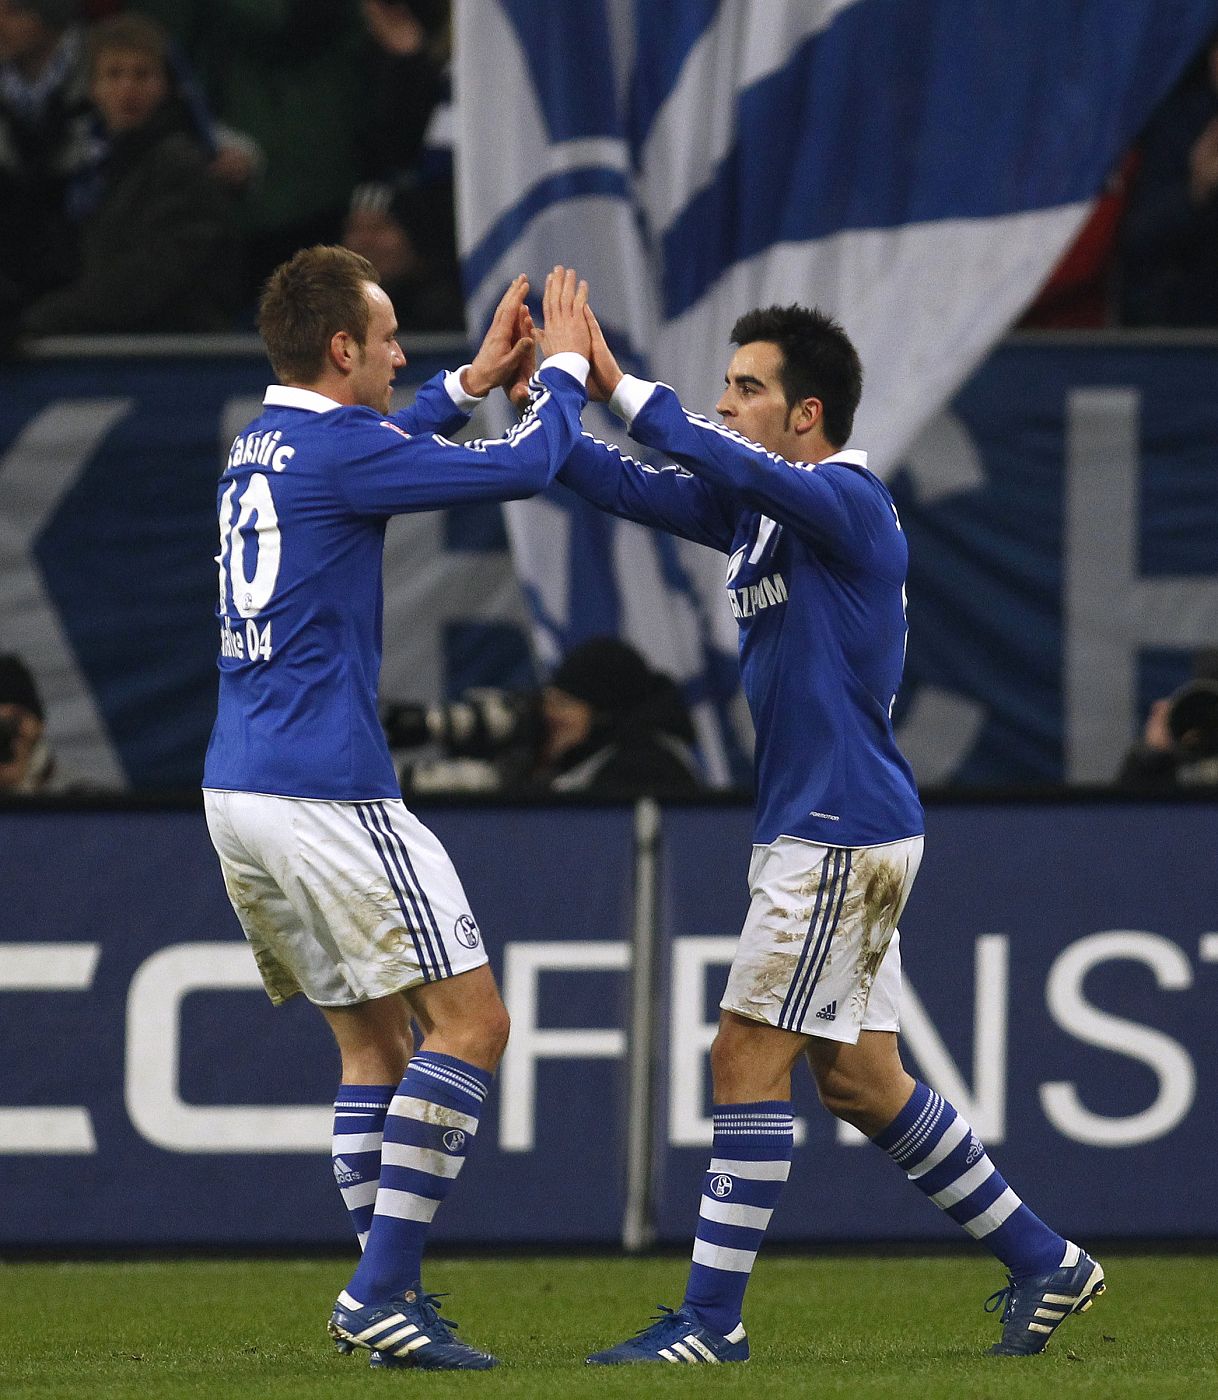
159	157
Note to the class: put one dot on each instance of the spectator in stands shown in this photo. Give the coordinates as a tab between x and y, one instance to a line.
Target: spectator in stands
288	76
614	727
606	725
1179	744
43	129
401	216
157	244
1170	233
26	762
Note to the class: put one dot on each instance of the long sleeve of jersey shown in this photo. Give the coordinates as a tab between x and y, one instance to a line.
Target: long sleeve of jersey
440	406
666	498
386	471
845	513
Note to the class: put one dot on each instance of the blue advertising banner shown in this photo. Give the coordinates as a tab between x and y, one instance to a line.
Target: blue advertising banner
1063	539
149	1093
1060	964
1060	969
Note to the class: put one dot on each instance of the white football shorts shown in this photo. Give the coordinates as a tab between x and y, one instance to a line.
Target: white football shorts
343	901
819	953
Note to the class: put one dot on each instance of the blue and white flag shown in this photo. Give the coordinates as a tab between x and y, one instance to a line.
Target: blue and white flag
914	166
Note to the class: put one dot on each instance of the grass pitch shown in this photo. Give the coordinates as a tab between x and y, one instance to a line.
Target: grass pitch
858	1326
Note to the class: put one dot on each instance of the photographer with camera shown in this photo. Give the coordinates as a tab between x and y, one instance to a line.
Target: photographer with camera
605	725
1179	744
26	762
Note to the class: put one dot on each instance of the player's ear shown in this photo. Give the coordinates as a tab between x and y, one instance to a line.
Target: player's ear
343	351
806	415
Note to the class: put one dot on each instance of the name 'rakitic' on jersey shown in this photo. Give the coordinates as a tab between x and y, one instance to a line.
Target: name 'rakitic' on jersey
751	599
262	449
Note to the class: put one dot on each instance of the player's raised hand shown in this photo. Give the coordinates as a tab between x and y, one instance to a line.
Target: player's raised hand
605	373
518	390
562	309
503	349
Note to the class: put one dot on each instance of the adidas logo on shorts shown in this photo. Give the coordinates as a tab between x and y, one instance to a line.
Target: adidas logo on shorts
827	1013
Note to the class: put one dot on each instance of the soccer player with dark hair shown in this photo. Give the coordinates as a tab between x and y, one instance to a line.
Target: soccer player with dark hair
342	893
816	578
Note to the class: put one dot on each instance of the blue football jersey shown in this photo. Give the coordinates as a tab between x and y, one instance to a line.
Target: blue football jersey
303	505
816	580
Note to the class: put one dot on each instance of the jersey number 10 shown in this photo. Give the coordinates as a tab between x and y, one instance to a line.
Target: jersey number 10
248	596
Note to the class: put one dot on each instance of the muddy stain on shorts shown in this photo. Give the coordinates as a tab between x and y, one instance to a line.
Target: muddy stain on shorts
262	931
879	901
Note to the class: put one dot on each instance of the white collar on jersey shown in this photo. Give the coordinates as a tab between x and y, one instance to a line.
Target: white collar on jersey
849	455
288	396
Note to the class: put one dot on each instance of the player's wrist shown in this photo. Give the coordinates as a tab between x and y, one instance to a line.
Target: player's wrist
464	386
572	362
628	397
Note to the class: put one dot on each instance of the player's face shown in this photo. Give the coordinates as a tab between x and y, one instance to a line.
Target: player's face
127	87
753	403
380	356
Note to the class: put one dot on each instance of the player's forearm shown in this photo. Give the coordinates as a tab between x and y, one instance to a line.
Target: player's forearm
531	453
662	498
724	461
655	417
440	406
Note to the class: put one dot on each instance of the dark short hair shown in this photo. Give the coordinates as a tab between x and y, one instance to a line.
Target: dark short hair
128	34
818	361
306	301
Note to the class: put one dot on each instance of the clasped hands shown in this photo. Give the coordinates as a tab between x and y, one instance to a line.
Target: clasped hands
507	356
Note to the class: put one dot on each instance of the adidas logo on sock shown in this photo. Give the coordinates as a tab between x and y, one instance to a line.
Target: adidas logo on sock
827	1013
343	1174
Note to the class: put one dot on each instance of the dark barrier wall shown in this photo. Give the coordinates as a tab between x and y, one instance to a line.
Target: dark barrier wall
1060	964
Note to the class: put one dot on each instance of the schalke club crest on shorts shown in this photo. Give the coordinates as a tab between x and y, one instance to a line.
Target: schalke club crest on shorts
466	931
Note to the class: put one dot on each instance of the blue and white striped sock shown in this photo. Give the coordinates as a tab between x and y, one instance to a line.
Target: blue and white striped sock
359	1123
430	1122
750	1161
939	1153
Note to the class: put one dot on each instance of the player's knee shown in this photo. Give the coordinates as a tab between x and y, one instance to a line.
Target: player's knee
483	1041
843	1096
498	1027
724	1059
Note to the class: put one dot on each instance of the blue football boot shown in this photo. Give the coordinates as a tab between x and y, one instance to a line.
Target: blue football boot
406	1331
1033	1309
676	1337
